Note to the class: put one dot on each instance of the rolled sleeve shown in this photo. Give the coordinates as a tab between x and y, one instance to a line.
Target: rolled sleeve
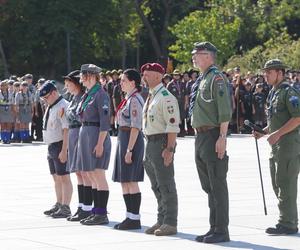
171	114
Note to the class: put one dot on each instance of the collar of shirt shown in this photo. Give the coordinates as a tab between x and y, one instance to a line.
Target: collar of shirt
130	93
155	89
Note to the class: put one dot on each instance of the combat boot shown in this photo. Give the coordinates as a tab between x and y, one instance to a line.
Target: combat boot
165	229
216	238
281	230
201	237
151	230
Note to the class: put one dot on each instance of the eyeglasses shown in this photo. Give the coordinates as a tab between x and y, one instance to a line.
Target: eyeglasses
200	53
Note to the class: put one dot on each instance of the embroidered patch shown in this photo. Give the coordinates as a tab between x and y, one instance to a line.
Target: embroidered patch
105	106
165	93
61	112
172	120
294	100
170	109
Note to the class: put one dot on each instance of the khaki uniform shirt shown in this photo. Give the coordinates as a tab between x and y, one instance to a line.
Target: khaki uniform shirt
161	112
212	105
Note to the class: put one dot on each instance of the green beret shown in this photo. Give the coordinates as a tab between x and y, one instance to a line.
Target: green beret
274	64
204	46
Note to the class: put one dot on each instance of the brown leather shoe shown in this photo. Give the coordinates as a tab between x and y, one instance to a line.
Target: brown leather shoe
151	230
165	230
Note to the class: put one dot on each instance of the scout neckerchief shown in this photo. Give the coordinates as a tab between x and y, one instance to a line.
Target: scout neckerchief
148	103
47	113
86	98
125	100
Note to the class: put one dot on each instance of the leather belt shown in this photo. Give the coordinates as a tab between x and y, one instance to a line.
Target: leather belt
92	124
124	128
75	126
204	129
155	137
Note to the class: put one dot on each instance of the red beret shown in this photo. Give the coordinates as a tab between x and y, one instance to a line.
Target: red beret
153	67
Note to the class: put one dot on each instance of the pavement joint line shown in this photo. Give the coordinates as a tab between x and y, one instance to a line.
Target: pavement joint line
47	244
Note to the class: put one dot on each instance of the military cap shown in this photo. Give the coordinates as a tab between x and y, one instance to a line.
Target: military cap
10	82
28	76
47	87
25	84
120	71
176	72
274	64
153	67
41	81
90	68
204	46
167	76
73	76
17	84
114	72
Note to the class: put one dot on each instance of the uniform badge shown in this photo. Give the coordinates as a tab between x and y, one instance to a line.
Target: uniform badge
134	113
165	93
172	120
294	100
170	109
61	112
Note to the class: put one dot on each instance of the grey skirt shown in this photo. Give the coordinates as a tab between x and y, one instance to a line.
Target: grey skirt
72	150
133	172
6	114
86	158
25	113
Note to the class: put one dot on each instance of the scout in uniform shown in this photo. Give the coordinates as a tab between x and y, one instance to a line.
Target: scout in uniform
24	108
84	186
55	134
211	113
258	106
16	131
161	125
129	168
193	74
177	89
113	76
39	110
94	145
283	105
6	112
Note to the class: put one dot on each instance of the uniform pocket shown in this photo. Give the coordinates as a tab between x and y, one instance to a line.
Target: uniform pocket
221	167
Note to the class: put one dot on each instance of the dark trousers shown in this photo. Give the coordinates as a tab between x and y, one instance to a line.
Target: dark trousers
162	182
212	174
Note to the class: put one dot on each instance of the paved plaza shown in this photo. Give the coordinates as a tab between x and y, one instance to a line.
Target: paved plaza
27	190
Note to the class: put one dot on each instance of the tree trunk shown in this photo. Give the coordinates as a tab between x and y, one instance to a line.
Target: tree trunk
6	73
123	41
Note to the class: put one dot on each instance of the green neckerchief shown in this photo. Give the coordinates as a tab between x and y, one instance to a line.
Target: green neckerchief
89	95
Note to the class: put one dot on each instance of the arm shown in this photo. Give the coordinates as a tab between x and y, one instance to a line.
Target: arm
64	151
98	150
134	132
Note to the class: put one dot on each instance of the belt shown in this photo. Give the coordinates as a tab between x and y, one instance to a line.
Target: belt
155	137
204	129
91	124
125	128
75	126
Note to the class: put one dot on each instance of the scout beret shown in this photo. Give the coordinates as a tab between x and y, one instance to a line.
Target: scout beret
274	64
108	72
47	87
153	67
204	46
28	76
90	68
176	72
73	76
17	84
114	72
120	71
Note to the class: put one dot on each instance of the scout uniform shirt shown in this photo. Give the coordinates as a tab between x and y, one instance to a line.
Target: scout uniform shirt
131	113
212	105
283	103
53	130
161	112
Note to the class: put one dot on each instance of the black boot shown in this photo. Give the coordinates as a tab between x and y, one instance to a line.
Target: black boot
201	237
216	238
280	229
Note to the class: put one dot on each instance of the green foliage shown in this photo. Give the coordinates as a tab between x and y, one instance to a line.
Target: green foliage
215	25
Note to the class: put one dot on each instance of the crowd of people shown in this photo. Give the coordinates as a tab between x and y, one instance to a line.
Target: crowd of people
156	106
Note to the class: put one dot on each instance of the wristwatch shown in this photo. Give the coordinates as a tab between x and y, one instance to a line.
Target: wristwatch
222	135
129	150
171	149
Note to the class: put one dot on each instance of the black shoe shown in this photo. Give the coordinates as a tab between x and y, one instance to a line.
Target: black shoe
128	224
97	219
39	139
63	212
80	216
87	218
201	237
216	238
280	229
79	209
53	209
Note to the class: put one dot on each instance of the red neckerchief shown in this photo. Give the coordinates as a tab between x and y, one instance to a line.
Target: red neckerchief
124	101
